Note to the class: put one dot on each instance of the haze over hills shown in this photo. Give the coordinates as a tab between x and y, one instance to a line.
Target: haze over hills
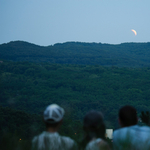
121	55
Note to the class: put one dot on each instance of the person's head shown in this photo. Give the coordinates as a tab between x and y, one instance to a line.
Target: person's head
53	116
93	125
127	116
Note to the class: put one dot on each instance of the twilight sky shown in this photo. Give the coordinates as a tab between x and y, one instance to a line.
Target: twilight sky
46	22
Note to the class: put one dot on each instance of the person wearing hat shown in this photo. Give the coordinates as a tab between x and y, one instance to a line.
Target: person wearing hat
94	128
50	139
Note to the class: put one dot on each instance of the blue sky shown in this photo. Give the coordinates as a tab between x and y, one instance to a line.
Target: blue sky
46	22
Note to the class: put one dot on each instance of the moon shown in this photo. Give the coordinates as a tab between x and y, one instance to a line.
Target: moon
134	32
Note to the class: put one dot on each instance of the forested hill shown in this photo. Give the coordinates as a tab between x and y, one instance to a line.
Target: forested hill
121	55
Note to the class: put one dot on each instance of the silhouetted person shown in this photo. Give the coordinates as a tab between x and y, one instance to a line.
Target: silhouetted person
131	136
50	139
94	129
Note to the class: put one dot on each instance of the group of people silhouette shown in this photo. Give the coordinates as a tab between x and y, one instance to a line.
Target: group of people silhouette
129	137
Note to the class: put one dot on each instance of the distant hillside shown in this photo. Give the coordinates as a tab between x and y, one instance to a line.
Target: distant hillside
30	87
121	55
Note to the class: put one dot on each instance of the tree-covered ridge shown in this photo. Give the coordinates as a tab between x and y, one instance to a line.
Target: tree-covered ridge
121	55
31	87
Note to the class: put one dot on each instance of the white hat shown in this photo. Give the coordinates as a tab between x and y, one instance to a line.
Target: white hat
53	113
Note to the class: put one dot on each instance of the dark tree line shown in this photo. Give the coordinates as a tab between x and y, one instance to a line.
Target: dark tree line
121	55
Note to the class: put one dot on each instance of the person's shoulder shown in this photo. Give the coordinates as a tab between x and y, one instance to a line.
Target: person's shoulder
145	131
35	141
103	145
35	138
97	144
67	139
70	142
118	131
122	133
125	129
146	128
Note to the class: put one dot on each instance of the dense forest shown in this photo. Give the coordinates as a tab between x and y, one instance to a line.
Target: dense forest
31	87
121	55
77	76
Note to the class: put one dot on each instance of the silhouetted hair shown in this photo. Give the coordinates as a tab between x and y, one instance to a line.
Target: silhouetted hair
128	115
93	126
49	123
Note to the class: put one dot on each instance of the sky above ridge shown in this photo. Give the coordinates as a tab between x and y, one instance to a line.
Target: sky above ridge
46	22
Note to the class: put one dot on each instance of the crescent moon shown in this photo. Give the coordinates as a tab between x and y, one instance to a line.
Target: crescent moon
134	32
